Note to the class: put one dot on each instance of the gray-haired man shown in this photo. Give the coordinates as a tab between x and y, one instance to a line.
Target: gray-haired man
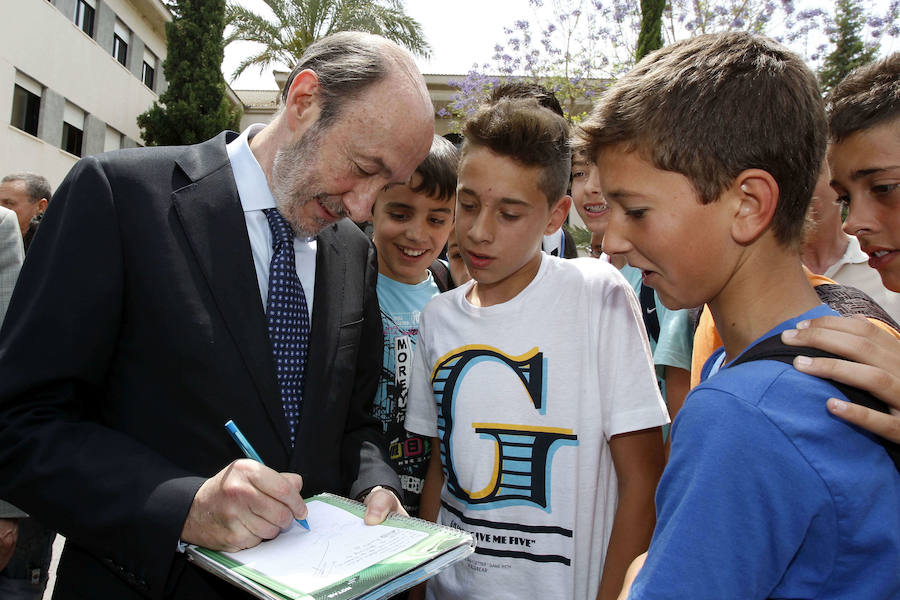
155	265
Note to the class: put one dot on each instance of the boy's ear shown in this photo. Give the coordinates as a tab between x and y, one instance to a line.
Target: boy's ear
558	214
302	102
755	196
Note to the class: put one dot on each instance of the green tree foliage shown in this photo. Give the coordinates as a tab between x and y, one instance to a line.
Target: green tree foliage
650	38
299	23
849	49
194	107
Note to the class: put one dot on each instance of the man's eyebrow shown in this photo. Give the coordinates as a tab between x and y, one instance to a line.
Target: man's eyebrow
856	175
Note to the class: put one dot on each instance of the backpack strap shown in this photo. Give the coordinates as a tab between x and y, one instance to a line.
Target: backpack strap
773	348
441	273
649	312
848	301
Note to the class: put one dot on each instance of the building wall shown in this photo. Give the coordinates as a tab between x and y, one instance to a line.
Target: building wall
39	40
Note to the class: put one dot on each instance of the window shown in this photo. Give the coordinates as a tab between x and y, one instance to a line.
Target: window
148	70
26	105
73	129
71	139
147	73
121	37
84	17
120	49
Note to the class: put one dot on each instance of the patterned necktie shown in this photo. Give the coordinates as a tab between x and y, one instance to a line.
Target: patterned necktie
287	317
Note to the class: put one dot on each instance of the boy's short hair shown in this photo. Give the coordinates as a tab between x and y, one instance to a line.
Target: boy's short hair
527	89
715	105
529	134
868	96
438	170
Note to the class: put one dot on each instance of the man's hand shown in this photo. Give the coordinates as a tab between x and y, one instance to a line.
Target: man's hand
243	504
379	502
875	366
9	535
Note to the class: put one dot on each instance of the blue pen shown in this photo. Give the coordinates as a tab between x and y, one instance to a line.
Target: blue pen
249	452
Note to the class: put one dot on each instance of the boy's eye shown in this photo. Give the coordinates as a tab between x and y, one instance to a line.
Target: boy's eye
577	174
509	216
882	189
466	207
635	213
438	221
398	216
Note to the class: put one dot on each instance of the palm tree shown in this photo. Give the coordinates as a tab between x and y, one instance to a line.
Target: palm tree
299	23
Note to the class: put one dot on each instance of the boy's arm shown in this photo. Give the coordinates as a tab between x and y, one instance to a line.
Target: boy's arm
630	574
638	460
430	503
678	384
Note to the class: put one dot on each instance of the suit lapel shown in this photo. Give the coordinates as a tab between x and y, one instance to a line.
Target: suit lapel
213	220
326	322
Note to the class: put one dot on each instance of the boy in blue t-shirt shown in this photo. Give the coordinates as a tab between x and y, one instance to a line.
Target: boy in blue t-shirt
708	151
411	224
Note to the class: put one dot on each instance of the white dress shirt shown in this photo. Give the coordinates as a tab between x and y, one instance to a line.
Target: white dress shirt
253	189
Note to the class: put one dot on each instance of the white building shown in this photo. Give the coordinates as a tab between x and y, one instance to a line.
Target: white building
74	76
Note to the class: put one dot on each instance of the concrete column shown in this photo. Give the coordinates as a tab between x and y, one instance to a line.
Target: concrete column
66	7
104	24
135	58
50	121
127	142
94	135
161	84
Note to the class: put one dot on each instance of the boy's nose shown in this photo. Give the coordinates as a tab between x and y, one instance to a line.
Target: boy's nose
592	185
481	230
860	219
415	231
613	240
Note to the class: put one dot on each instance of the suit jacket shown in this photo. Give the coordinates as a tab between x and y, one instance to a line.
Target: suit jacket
136	331
11	256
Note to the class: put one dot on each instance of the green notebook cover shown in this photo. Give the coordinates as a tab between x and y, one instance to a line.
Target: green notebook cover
324	564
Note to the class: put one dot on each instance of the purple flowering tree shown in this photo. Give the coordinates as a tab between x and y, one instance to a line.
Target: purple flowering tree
575	47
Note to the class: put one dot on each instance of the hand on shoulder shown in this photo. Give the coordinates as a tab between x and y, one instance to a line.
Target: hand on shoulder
873	364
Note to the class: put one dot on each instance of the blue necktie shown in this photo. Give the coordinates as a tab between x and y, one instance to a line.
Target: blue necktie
287	317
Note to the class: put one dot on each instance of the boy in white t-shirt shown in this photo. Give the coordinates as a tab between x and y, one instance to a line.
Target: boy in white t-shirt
410	223
537	382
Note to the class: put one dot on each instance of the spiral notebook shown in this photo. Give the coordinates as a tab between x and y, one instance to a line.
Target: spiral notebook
340	557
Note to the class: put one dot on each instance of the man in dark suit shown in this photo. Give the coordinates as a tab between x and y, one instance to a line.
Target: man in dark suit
139	326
